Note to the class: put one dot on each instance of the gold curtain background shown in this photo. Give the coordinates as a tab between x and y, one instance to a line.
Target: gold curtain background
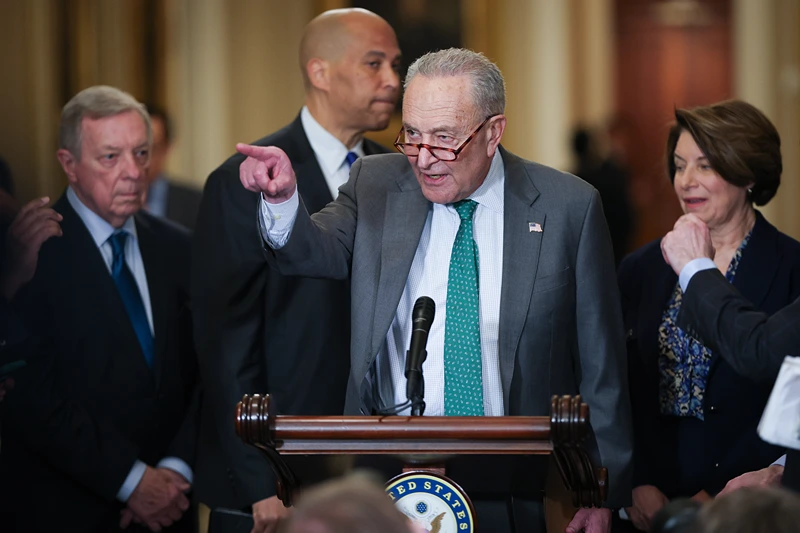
227	70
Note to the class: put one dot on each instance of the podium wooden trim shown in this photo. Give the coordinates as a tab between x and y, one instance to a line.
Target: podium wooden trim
559	435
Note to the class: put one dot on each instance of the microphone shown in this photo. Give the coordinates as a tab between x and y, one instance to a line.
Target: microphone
421	319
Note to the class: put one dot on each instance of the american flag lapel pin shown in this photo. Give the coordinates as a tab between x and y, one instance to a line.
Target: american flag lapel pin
534	227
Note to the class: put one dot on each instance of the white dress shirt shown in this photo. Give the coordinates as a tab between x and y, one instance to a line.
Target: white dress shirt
100	230
693	267
331	153
428	277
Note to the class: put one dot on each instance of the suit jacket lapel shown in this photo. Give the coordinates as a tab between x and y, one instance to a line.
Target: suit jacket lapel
311	182
757	268
94	284
88	266
759	264
521	248
158	287
657	292
406	213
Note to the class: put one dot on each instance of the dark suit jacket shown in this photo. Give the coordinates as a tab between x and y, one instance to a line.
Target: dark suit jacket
258	331
561	329
684	455
14	337
183	204
86	409
752	342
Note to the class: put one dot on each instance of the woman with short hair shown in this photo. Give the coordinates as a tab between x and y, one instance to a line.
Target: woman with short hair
695	418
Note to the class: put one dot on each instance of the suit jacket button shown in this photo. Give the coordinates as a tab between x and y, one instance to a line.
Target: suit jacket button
716	465
2	342
712	408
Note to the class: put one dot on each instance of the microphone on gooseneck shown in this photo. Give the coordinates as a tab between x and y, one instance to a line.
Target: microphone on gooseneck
422	318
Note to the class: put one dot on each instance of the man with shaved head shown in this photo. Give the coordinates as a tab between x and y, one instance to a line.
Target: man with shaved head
258	331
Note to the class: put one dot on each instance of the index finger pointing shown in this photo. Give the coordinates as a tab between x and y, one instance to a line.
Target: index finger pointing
262	153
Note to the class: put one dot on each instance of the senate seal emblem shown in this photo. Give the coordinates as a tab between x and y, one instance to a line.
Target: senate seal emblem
435	502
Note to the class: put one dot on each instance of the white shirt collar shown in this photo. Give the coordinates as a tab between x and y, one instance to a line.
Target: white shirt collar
490	193
330	151
99	229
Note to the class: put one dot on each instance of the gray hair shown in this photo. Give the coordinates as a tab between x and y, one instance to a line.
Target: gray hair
353	504
750	510
488	87
96	102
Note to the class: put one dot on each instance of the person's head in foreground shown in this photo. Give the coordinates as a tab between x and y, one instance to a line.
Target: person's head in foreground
354	504
678	516
751	510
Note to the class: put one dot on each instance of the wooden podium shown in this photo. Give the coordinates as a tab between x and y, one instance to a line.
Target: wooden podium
573	480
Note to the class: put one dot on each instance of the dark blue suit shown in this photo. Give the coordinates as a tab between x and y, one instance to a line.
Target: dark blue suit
682	456
87	405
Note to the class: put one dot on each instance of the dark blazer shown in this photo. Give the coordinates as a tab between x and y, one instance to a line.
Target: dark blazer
752	342
560	324
682	456
183	204
14	337
88	405
258	331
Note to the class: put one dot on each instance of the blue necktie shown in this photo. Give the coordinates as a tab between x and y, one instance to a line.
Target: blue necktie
463	367
131	298
351	158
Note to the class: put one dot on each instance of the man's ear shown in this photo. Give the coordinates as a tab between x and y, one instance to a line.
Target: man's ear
494	131
68	163
318	71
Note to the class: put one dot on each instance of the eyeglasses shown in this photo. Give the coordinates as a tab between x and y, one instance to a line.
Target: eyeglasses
439	152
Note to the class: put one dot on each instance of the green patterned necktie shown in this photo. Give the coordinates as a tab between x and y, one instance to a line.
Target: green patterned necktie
463	375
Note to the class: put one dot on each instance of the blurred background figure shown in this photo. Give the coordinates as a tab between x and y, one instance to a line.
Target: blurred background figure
165	197
22	232
695	417
29	229
751	510
606	171
355	504
8	206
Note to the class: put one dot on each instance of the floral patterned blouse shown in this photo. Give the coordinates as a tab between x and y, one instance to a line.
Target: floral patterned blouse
683	362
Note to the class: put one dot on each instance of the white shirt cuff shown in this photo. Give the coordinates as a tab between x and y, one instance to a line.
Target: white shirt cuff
177	465
276	220
132	481
693	267
781	461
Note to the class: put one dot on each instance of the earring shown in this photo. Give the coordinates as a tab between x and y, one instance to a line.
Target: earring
750	192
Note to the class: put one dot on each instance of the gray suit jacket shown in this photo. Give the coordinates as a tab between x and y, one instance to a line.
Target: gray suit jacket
561	326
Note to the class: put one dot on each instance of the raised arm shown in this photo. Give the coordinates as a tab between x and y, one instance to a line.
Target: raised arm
753	343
